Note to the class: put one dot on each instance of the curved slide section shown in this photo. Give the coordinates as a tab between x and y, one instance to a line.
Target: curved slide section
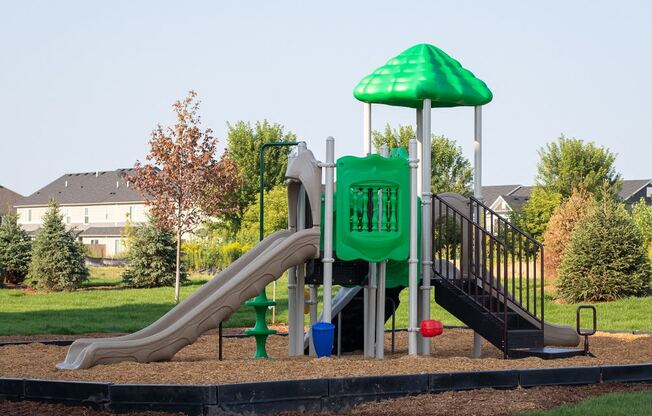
205	308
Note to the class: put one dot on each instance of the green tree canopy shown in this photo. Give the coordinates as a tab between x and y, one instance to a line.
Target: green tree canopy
450	170
605	259
570	163
152	257
536	213
243	145
58	261
276	216
15	250
642	217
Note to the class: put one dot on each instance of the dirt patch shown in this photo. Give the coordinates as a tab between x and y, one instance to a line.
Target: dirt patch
484	402
198	364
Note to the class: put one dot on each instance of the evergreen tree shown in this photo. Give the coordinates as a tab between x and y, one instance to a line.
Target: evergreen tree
58	261
605	258
15	250
152	258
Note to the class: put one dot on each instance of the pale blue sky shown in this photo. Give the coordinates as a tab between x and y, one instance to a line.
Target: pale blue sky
83	83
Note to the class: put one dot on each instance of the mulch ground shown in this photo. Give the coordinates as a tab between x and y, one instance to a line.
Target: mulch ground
484	402
198	364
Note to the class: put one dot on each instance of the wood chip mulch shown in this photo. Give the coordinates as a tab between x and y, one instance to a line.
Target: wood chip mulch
198	364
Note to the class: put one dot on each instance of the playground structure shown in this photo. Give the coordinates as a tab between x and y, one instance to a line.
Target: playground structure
370	237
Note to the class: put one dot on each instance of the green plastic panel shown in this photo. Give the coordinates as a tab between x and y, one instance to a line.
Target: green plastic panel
375	193
420	72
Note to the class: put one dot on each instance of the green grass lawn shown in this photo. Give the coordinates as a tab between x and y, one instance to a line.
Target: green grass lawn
616	404
103	306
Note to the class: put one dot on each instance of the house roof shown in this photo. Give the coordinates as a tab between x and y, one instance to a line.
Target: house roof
515	202
102	187
630	187
8	199
492	192
102	232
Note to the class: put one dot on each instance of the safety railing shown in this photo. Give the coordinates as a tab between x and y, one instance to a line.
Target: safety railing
471	258
525	259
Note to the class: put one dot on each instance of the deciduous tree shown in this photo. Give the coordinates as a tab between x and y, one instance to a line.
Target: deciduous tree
243	143
181	179
451	171
570	163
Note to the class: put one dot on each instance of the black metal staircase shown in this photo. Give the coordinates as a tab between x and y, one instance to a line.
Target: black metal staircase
489	274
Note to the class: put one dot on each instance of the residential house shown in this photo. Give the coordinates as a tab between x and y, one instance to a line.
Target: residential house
8	199
505	199
633	190
96	205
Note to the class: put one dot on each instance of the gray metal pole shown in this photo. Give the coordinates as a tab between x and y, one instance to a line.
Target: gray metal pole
300	279
426	217
412	262
419	134
477	192
328	229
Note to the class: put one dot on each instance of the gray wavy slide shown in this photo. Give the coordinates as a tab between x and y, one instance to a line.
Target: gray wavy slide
205	308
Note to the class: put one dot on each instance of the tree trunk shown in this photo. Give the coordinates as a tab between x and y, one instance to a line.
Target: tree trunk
177	280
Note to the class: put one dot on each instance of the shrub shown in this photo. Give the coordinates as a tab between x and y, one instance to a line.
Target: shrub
642	217
202	254
536	213
561	226
605	258
230	252
152	258
57	259
15	250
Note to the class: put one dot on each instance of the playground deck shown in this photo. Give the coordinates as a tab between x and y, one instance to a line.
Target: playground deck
198	364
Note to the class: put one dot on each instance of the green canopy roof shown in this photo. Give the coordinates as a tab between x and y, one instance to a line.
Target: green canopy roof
420	72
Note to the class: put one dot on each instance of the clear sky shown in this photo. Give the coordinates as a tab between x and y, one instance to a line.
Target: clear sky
83	83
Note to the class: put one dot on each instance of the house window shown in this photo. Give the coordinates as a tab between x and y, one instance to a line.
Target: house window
67	215
131	212
95	241
648	192
106	214
29	215
116	246
85	215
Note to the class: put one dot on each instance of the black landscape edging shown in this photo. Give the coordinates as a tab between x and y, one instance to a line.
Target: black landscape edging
302	395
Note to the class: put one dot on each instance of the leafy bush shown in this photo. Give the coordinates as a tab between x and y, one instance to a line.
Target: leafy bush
605	258
152	258
642	217
561	226
15	250
202	254
58	261
231	252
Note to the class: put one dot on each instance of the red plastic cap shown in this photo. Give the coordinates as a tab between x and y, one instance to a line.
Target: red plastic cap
431	328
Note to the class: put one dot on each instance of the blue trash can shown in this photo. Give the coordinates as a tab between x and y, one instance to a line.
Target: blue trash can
323	334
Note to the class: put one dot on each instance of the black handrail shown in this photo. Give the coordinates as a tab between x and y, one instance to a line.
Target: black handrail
480	266
520	244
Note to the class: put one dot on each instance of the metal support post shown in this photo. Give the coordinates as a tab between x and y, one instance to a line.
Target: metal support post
477	192
413	270
426	217
328	229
